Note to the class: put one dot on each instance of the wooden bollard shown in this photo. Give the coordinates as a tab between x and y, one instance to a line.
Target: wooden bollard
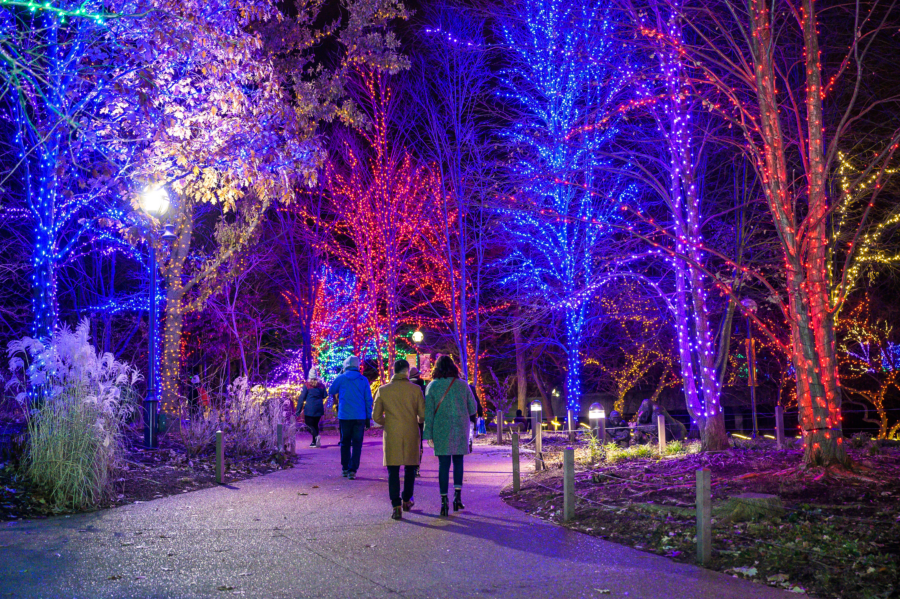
517	477
704	516
568	484
661	431
279	437
499	427
779	427
220	457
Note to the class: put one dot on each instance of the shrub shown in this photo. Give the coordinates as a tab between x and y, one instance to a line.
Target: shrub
252	415
76	416
198	429
674	447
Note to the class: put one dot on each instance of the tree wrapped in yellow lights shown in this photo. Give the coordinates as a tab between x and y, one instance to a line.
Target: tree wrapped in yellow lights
869	364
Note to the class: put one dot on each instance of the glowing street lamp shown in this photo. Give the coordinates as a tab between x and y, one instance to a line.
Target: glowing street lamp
417	338
597	416
155	202
536	420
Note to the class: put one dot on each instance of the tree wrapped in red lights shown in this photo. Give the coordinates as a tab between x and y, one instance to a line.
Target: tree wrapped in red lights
380	210
759	68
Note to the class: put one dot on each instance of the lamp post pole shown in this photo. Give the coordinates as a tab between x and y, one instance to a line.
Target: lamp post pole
417	338
151	402
155	202
751	308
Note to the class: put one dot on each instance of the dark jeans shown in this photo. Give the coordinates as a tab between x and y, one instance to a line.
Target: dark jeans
409	481
351	443
313	423
444	472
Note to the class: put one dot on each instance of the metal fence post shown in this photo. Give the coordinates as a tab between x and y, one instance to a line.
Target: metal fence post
499	427
568	484
661	431
220	457
279	437
704	516
517	477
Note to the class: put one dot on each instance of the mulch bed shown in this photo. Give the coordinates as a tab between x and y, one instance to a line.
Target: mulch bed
146	475
837	536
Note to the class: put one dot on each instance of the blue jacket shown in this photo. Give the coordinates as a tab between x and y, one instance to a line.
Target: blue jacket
354	395
312	401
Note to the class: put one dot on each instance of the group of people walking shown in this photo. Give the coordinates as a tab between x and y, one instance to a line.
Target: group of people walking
409	412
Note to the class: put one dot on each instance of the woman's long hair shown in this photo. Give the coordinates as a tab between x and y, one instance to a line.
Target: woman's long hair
444	368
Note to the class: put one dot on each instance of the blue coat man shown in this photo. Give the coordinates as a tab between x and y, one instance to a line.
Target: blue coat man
354	395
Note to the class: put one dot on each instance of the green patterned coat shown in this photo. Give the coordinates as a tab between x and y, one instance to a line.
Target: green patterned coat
449	427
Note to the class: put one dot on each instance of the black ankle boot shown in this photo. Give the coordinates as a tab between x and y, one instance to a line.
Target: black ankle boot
445	506
457	501
398	513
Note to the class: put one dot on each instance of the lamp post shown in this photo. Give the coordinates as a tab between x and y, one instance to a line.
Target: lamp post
597	416
750	307
417	338
155	202
536	420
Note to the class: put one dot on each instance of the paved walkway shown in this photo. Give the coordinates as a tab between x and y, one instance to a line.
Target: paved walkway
310	533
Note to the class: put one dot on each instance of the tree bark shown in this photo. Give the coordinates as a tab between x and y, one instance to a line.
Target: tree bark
521	374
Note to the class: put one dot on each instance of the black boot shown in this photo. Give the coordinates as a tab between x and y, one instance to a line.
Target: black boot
457	500
398	513
445	506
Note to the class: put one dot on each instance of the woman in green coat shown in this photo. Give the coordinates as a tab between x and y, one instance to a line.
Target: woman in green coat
448	406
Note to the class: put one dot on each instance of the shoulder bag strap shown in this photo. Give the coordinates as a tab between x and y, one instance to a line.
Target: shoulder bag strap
437	407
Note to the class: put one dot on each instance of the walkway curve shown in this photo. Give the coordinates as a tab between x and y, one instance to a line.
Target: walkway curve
309	533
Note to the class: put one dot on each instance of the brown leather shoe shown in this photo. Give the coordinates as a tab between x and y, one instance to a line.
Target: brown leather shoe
408	505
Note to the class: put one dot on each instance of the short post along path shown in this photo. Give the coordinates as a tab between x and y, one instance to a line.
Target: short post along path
308	532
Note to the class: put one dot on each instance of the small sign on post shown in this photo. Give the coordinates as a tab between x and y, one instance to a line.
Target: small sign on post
704	516
517	477
568	484
220	458
661	431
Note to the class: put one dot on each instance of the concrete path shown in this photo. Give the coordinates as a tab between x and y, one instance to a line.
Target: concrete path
310	533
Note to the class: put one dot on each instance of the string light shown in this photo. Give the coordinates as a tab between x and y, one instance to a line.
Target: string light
554	79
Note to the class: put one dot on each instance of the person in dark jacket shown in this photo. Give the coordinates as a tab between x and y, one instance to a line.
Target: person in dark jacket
521	422
415	377
312	405
354	395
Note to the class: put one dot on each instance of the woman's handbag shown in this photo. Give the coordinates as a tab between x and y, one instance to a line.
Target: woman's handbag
438	407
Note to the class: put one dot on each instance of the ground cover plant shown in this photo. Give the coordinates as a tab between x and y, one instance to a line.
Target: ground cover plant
831	534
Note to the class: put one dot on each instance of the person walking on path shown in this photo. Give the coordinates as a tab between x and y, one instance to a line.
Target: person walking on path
415	377
312	405
448	406
354	413
399	408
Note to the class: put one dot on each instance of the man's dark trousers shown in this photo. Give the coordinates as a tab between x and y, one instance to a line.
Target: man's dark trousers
351	443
